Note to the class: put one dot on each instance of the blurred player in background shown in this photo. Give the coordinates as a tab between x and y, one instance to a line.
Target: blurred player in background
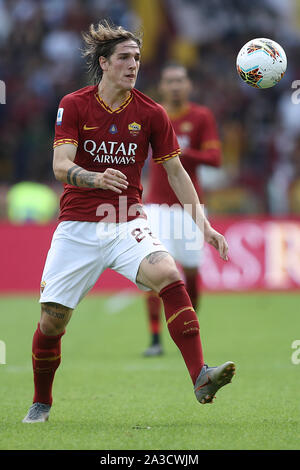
198	139
102	136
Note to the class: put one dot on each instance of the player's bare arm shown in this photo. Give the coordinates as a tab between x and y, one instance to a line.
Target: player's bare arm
183	187
66	171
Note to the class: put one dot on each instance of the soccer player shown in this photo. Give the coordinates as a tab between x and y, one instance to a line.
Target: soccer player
102	135
198	138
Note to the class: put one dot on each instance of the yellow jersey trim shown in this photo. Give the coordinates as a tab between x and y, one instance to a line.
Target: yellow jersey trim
65	141
109	109
173	154
183	111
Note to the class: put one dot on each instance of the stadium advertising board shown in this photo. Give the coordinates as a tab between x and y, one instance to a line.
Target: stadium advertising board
264	254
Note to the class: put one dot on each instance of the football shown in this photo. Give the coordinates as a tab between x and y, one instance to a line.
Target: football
261	63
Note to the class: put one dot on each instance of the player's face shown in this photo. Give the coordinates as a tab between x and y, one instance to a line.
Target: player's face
175	85
122	67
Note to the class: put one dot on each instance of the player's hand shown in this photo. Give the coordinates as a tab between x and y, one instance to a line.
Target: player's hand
217	240
114	180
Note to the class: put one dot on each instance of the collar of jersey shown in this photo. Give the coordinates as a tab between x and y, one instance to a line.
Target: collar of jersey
180	113
109	109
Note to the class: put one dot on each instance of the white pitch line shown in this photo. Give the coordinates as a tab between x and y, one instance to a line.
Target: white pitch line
119	302
17	369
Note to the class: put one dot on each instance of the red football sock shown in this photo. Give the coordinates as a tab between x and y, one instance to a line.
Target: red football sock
154	309
183	326
191	282
46	357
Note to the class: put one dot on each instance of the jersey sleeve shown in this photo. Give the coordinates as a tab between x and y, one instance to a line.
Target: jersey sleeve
163	139
66	126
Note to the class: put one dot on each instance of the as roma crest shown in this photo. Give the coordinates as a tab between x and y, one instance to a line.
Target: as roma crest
134	128
186	126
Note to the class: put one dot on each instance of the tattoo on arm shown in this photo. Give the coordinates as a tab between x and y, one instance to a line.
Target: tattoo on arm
77	176
89	179
156	257
72	175
69	175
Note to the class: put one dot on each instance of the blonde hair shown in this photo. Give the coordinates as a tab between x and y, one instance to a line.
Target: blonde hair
101	40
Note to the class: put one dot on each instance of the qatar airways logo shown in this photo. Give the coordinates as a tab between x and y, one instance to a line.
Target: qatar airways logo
111	152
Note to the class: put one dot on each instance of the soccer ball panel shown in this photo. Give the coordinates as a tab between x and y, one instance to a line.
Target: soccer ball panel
261	63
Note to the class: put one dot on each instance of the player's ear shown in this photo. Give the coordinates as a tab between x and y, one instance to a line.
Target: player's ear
189	85
161	86
103	62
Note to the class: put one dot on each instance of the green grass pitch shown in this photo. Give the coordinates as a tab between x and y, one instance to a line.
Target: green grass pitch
108	397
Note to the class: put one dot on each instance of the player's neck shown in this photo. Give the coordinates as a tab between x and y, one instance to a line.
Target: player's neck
112	96
175	109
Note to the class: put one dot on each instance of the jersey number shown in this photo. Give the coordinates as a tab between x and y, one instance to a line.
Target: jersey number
139	234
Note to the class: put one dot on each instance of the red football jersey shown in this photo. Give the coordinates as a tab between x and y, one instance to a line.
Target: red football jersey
107	138
199	142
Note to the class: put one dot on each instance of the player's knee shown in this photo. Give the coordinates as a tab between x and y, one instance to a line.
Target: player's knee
164	278
169	276
54	318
